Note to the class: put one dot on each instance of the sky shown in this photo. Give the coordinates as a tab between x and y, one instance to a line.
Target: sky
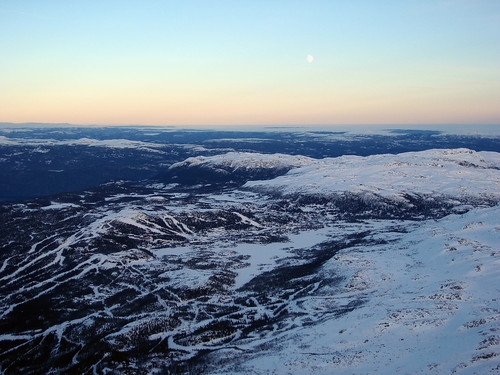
307	62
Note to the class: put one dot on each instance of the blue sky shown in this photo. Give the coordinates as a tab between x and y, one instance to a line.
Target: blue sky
245	62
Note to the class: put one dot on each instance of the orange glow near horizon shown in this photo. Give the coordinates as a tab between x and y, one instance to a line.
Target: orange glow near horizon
232	108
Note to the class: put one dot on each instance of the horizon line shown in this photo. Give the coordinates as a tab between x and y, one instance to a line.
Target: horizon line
291	125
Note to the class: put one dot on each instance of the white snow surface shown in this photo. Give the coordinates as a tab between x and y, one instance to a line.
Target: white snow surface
438	172
432	307
246	160
112	143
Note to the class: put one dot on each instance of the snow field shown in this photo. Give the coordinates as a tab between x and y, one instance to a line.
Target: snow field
432	307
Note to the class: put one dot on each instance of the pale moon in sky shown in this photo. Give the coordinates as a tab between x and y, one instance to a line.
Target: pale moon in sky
310	58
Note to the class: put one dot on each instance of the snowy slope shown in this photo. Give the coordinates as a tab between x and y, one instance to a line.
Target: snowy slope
450	173
233	161
234	166
432	307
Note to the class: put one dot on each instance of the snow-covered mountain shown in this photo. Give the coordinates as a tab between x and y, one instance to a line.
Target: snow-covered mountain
237	167
245	263
459	173
234	161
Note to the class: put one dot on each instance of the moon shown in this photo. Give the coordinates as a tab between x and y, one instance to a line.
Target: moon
310	58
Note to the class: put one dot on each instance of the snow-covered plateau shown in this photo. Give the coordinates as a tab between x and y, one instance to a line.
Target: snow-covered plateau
246	263
453	173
